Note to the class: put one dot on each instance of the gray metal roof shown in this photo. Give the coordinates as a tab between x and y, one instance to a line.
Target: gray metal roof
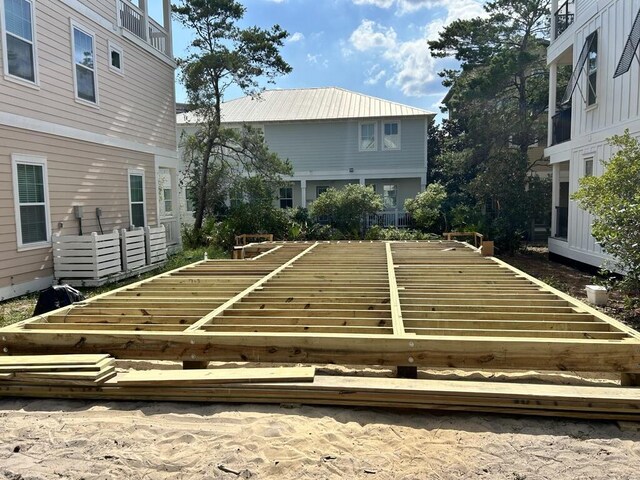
308	104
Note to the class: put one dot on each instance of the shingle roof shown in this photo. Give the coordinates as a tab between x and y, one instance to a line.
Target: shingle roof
309	104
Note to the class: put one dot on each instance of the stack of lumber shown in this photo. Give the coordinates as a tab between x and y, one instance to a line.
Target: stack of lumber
56	370
82	376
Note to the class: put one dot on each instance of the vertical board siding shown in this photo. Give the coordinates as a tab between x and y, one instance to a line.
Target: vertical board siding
79	173
138	106
617	109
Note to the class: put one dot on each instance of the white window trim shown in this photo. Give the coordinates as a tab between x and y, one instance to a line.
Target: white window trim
114	47
16	159
140	173
75	25
375	137
5	61
399	147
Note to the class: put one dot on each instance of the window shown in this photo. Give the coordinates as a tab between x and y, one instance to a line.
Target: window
320	190
115	58
84	71
588	167
592	69
19	40
167	198
136	198
367	140
390	196
31	200
286	197
391	139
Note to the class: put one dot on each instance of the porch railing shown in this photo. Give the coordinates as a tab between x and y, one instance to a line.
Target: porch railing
564	17
134	20
396	218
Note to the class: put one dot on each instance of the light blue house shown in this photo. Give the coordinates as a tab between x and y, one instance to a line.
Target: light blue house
334	137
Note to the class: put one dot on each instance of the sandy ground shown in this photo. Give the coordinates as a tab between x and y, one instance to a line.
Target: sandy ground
58	439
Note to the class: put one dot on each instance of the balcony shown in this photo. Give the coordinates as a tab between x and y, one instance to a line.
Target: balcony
136	20
561	124
563	17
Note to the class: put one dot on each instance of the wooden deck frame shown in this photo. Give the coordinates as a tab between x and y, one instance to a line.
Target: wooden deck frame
420	304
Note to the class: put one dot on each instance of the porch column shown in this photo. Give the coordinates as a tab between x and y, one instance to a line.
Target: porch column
166	10
144	6
554	9
553	91
555	198
303	189
363	181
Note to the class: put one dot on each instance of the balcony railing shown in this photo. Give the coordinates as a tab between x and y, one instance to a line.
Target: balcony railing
561	124
564	17
134	20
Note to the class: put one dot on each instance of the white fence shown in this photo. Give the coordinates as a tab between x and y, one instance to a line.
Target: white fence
92	260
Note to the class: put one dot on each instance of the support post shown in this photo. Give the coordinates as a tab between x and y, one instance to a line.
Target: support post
303	194
553	87
194	365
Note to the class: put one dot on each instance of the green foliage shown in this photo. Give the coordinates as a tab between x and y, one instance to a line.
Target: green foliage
425	208
377	232
222	54
497	102
614	199
347	207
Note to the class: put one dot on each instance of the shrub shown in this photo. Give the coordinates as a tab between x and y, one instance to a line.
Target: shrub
426	207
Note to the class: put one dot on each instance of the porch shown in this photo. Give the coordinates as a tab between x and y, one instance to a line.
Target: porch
149	21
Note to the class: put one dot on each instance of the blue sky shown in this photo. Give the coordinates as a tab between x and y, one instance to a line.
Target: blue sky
376	47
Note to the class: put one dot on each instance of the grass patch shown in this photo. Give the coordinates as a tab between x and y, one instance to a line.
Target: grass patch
21	308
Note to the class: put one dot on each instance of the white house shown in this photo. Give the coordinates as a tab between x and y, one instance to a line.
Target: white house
598	41
334	137
87	127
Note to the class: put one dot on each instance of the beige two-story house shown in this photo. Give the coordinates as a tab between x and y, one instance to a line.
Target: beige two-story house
87	126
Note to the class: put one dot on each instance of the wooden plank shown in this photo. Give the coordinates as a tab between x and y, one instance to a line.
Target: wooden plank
191	378
207	318
396	309
24	360
58	368
580	305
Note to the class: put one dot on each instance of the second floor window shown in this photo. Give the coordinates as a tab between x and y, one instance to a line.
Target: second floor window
367	137
592	70
20	57
391	139
84	68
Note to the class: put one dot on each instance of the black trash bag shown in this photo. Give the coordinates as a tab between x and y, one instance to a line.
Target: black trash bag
55	297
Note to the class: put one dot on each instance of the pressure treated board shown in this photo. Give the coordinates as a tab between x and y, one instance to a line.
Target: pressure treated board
427	304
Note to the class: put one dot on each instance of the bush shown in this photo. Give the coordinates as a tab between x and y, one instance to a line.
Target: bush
380	233
346	208
614	199
426	207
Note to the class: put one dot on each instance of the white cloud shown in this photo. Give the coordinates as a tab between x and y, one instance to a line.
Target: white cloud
317	59
375	74
371	35
408	64
296	37
377	3
456	8
410	61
